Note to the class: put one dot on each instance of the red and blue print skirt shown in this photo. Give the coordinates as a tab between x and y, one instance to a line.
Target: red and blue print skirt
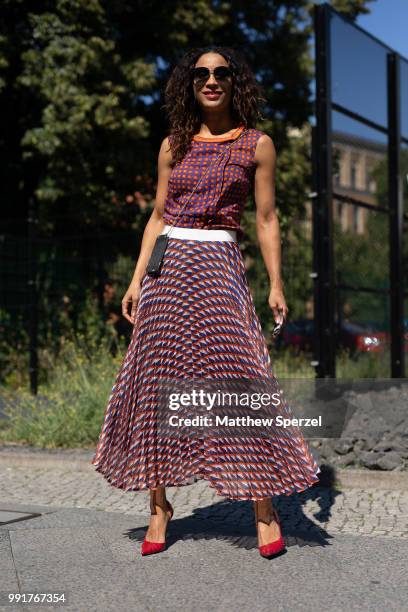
197	319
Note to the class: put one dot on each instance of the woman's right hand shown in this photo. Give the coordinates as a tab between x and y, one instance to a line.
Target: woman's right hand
131	297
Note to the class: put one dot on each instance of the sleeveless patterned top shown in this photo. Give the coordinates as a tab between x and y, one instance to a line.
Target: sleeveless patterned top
219	200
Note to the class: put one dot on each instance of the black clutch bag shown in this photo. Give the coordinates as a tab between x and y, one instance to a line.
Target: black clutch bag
155	262
156	258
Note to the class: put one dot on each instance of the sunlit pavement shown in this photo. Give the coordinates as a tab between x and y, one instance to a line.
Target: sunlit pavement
68	531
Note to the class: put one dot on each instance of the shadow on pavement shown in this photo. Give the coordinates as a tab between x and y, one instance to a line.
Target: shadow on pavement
234	520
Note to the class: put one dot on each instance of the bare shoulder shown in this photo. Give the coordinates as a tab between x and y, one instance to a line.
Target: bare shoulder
165	155
165	145
265	149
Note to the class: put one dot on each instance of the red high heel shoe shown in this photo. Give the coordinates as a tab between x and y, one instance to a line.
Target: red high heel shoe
275	547
150	548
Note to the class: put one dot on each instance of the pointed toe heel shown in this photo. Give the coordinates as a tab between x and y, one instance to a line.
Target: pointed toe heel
273	548
151	548
277	546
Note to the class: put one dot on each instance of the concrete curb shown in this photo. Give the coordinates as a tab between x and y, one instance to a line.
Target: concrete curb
66	459
80	460
372	479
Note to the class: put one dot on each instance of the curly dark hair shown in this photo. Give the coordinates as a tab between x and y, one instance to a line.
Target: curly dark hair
183	110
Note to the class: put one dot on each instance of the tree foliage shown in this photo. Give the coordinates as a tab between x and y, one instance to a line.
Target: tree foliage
81	87
81	91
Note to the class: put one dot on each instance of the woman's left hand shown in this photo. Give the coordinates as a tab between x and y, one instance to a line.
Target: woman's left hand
278	304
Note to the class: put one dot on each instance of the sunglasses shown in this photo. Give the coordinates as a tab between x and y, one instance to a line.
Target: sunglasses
201	74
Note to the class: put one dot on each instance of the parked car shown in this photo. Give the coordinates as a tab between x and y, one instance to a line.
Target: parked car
362	336
356	336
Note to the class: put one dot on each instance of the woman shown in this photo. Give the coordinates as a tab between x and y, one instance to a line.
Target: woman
197	317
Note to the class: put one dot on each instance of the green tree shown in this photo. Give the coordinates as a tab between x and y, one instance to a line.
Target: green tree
81	86
81	89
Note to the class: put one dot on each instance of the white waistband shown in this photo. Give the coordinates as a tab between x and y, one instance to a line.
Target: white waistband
193	233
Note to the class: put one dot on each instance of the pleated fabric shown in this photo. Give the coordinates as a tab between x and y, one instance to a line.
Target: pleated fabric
196	320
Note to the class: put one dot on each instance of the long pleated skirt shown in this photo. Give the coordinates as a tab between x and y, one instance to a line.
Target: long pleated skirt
197	319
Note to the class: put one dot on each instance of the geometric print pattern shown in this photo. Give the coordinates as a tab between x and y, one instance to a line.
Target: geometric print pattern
219	200
197	319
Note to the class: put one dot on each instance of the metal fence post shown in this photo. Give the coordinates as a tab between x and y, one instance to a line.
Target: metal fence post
32	293
323	252
396	205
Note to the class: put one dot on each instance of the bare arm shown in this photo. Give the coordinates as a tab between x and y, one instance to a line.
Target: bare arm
267	223
153	228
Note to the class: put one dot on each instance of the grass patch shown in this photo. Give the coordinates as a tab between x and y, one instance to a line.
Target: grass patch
73	395
68	410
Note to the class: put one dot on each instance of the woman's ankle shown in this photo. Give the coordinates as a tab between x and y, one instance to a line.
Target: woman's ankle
158	501
264	511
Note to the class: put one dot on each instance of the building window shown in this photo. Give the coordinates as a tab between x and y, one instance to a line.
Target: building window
353	175
340	212
370	181
356	218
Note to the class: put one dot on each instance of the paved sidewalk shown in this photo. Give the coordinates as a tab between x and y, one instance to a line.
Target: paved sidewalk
69	480
345	549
